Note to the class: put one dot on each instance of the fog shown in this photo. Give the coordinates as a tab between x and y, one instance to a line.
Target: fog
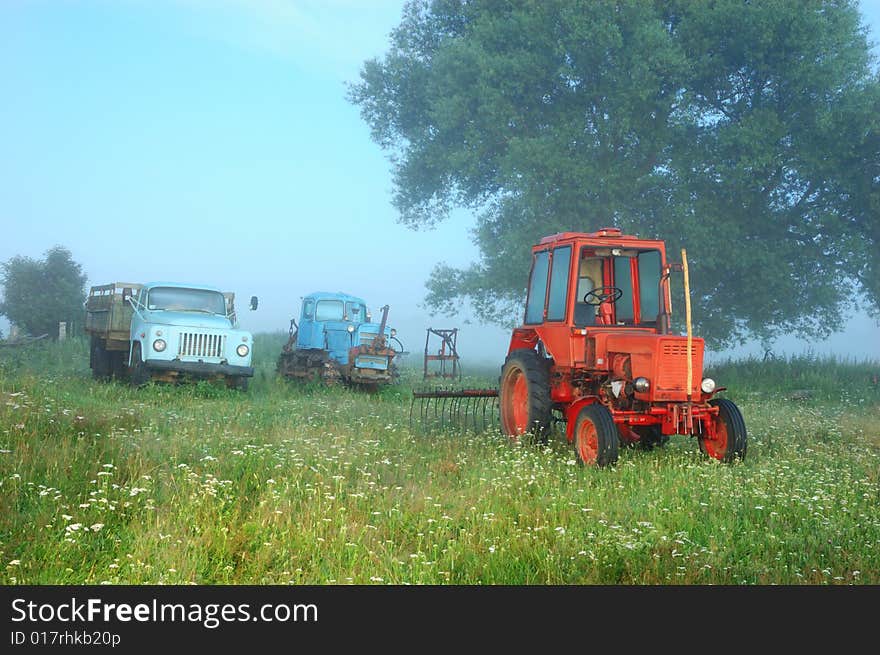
211	142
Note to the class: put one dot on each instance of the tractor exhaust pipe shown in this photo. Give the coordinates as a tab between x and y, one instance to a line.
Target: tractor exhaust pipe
687	318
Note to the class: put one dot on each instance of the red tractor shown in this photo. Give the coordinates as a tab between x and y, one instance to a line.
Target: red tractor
596	348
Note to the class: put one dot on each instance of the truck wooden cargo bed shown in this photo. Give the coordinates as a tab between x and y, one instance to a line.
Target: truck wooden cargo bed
108	312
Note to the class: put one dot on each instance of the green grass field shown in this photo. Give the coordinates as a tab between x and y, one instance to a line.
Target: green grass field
100	483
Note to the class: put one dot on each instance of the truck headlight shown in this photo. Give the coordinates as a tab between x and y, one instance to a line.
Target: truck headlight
351	328
707	385
393	332
641	384
242	350
159	345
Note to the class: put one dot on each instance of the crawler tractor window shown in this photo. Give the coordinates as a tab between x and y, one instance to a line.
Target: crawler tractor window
329	310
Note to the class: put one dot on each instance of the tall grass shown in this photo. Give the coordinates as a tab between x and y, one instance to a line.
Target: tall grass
294	483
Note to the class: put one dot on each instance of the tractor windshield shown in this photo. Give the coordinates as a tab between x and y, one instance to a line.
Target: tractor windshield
330	310
186	300
625	282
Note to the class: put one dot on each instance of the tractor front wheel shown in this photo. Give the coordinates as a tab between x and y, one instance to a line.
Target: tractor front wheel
525	396
730	433
596	440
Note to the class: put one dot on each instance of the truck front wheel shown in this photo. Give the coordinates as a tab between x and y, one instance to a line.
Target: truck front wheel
240	383
138	375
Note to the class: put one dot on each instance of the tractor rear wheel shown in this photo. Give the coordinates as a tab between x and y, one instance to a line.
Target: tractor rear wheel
525	396
730	433
596	440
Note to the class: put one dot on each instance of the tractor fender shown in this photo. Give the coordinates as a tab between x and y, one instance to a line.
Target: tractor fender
572	411
523	338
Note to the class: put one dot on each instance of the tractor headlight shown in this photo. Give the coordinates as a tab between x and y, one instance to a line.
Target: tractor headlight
641	384
351	328
393	332
707	385
242	350
159	345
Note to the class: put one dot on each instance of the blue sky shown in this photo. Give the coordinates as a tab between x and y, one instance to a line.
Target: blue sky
210	141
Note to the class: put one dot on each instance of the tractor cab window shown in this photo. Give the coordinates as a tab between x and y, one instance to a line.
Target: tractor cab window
537	288
649	285
329	310
623	308
355	312
637	276
589	278
308	308
558	284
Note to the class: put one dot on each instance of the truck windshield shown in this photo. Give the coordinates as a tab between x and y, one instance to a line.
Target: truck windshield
186	300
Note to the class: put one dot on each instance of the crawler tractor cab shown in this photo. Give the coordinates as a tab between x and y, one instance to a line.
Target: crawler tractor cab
596	348
336	340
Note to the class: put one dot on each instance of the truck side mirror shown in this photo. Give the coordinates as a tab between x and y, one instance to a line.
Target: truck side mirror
254	302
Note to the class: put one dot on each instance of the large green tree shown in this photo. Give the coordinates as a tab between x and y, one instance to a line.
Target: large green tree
38	294
746	132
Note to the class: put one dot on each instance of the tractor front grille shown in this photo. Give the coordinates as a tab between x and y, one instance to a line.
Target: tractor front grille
198	344
672	369
367	338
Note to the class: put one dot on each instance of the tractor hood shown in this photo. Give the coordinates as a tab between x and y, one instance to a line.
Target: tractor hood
371	330
660	358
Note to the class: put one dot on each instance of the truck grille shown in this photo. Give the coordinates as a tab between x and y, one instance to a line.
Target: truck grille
195	344
367	338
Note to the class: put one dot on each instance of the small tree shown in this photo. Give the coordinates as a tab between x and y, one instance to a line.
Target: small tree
39	294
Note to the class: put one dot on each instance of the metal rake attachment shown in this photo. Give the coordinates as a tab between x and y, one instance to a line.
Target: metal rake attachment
461	410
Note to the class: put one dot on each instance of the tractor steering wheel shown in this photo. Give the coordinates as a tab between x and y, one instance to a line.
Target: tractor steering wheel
603	294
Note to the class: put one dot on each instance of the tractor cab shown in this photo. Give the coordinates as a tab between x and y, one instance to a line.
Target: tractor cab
598	279
586	288
332	322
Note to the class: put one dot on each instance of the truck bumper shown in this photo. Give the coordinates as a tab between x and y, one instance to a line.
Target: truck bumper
199	368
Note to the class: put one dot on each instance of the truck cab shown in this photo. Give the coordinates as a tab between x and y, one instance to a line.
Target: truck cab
179	329
336	338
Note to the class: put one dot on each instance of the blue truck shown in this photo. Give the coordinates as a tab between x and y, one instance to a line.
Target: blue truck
166	331
336	341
